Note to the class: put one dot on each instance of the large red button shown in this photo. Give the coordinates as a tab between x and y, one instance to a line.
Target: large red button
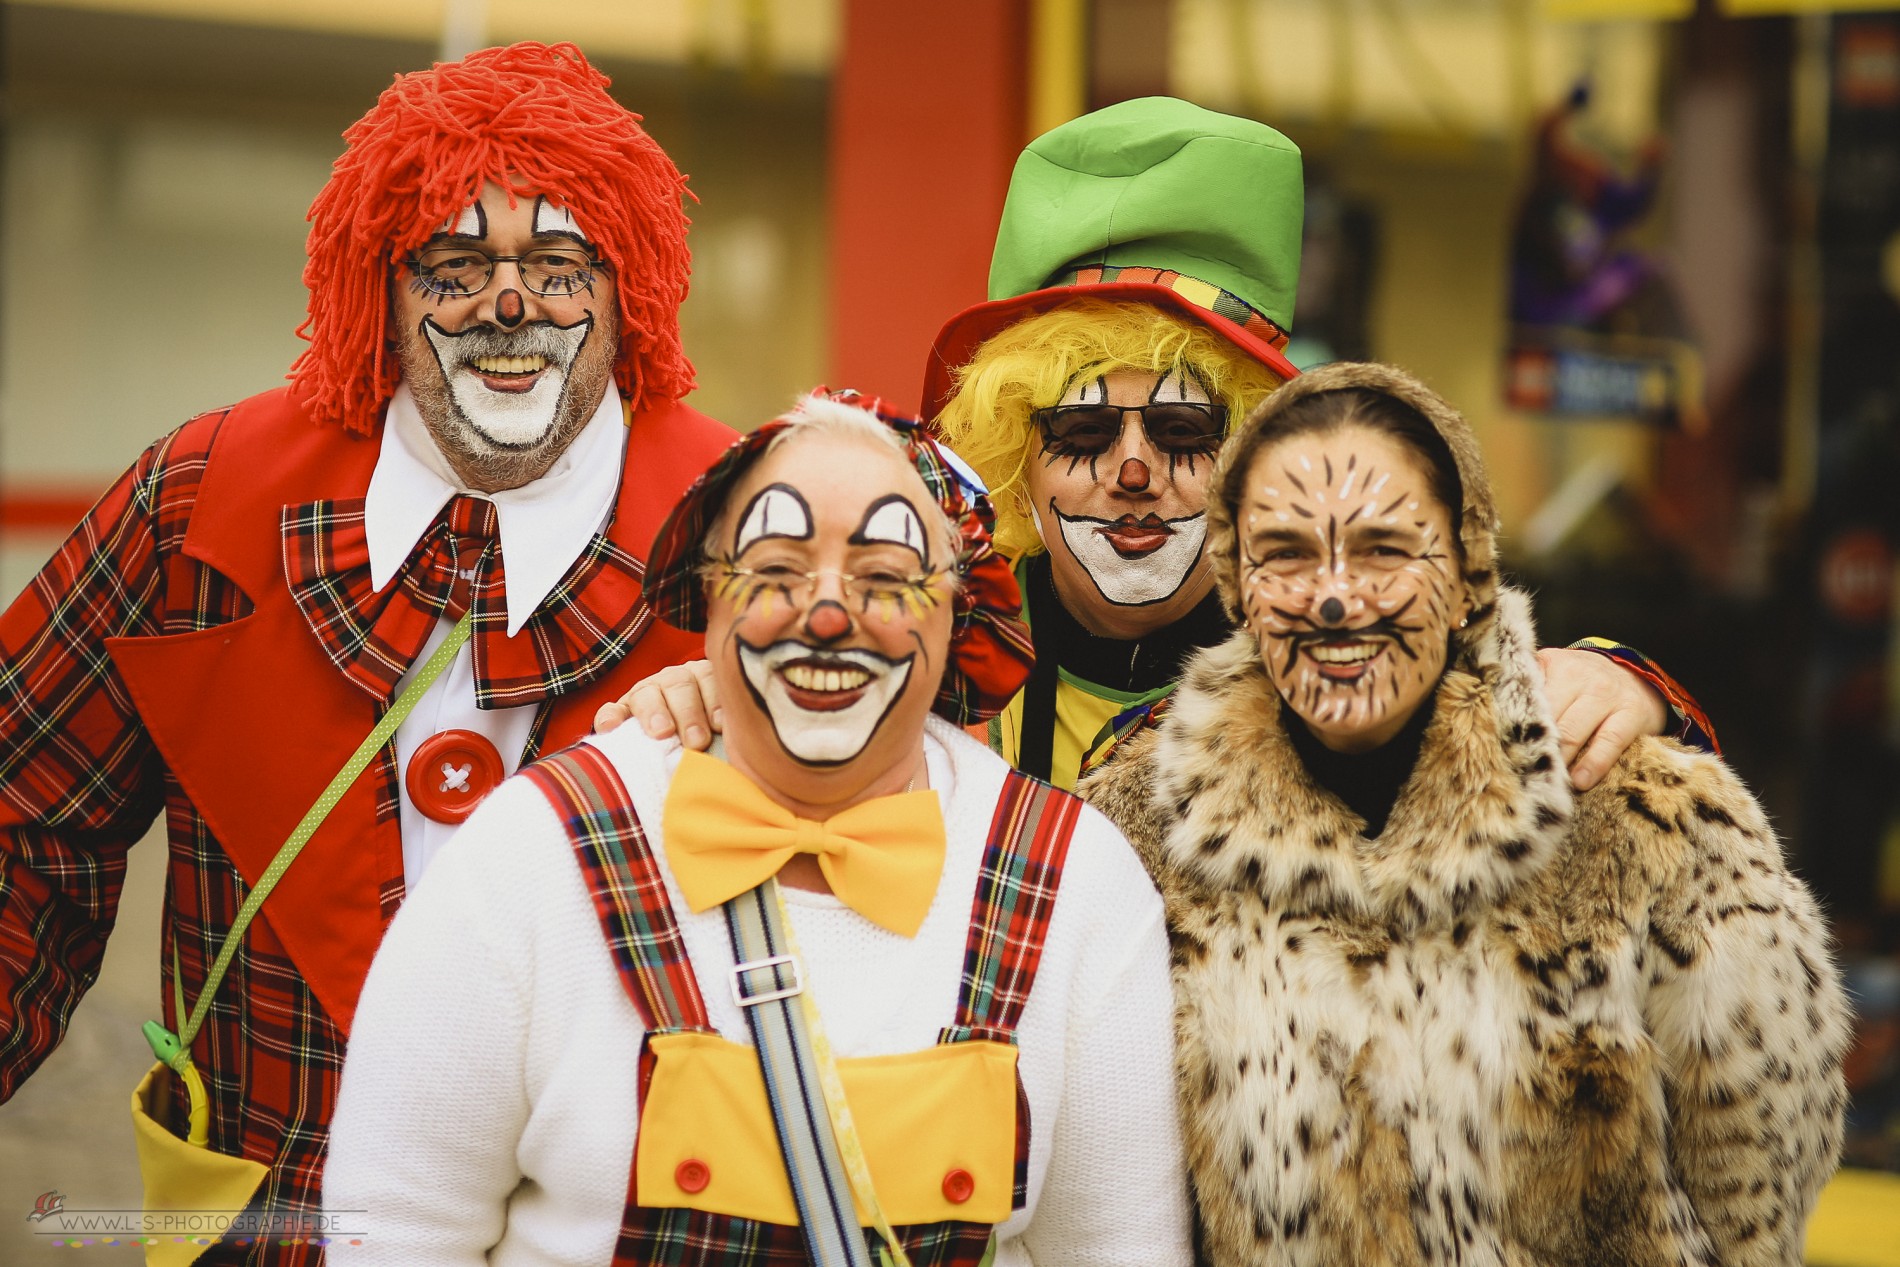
692	1175
451	773
958	1186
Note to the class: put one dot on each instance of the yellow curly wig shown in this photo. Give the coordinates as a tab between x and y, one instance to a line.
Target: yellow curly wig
1026	367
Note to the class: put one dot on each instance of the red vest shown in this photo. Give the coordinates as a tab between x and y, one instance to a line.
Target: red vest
252	718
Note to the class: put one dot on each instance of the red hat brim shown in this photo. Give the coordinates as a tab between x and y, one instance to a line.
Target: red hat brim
964	333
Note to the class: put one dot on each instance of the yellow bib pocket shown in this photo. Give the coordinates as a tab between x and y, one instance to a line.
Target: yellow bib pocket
938	1126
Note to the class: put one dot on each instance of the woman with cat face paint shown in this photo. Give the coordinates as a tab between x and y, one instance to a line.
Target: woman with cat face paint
849	987
1433	1007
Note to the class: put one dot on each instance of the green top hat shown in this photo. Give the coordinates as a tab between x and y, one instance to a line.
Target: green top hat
1155	200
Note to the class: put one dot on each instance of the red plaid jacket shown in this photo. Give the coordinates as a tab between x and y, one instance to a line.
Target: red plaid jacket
159	661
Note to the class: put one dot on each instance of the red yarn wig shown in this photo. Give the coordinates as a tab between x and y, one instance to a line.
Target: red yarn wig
536	120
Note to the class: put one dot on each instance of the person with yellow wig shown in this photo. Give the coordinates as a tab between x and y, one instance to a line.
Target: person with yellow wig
1140	295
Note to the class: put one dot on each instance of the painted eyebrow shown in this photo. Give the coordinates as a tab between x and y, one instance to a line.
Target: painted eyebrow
1186	376
760	506
920	547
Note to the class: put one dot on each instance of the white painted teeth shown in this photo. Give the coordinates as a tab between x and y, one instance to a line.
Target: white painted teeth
1343	653
808	678
510	364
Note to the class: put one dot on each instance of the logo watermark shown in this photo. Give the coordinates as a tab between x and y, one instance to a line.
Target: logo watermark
47	1204
63	1226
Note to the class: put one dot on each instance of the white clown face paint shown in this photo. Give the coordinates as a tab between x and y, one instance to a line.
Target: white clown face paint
828	621
1128	500
470	222
540	357
825	705
1349	580
778	511
1134	563
893	520
552	220
505	378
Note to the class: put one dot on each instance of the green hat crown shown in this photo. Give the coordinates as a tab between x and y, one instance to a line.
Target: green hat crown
1157	183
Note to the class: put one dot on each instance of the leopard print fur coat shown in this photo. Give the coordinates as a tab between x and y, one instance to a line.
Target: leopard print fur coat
1512	1029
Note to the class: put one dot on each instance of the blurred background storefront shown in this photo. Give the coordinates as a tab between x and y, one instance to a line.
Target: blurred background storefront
1652	247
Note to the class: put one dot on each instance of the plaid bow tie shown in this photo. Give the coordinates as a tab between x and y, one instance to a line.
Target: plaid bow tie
586	623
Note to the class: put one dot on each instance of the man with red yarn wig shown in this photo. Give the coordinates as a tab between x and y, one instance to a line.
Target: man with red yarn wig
472	455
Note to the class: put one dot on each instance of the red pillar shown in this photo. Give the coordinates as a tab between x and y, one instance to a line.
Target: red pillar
927	117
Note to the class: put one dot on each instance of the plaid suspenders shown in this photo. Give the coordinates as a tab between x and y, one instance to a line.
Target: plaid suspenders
1015	896
624	882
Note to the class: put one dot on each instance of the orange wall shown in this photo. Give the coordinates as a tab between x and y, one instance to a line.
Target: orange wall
927	116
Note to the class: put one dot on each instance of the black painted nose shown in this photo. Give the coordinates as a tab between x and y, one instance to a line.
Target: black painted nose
1332	611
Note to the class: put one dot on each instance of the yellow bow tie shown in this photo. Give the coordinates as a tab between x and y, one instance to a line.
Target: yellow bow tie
724	836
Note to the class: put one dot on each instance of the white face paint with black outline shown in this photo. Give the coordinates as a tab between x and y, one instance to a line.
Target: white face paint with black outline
825	700
1131	517
509	420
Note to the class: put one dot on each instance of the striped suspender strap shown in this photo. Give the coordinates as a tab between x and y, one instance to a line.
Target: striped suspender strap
623	881
769	987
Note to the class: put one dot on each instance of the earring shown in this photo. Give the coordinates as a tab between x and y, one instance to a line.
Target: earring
1463	623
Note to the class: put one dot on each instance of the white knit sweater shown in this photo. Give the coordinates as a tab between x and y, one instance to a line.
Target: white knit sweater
487	1109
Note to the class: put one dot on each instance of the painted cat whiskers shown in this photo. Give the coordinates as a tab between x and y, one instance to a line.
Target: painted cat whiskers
1349	579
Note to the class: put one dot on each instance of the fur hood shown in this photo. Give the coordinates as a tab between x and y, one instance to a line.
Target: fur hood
1478	517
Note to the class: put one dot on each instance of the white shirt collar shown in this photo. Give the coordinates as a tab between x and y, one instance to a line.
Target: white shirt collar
545	524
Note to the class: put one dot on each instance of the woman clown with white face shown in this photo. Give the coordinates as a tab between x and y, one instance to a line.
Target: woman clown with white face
983	956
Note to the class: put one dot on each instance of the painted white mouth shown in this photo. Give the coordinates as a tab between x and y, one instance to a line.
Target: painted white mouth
1344	652
517	419
1135	582
510	364
823	736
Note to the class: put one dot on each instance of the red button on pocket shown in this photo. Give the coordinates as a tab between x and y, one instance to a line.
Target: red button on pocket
958	1186
692	1175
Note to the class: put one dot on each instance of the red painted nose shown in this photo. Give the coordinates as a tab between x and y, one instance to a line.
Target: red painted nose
828	622
508	309
1134	475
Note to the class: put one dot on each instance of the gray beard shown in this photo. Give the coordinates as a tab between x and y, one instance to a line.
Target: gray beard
478	457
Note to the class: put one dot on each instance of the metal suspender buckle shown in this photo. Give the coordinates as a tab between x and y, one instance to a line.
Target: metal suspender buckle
741	998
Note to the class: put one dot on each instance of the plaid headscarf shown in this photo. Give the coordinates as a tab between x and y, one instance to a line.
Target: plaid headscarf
990	653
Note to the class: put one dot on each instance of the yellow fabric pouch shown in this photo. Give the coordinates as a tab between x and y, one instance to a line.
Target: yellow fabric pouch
934	1123
186	1176
198	1188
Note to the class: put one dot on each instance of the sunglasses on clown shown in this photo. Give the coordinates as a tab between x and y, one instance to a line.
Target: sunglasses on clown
1175	428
